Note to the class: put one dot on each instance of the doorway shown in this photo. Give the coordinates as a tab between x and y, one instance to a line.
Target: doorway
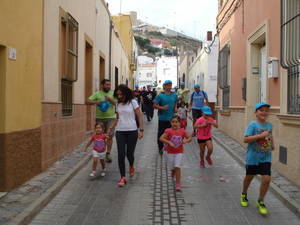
88	82
116	77
263	74
102	69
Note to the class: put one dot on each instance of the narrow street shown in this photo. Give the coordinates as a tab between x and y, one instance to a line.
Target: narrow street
210	196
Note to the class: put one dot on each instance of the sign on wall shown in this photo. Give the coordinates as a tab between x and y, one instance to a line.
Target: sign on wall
12	53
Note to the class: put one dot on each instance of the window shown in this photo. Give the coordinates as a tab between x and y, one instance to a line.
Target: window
290	50
149	75
68	58
294	90
223	78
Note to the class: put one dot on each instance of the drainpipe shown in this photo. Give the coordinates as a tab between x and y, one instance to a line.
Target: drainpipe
110	46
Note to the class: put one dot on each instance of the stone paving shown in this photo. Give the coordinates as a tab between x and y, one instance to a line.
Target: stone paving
15	201
210	196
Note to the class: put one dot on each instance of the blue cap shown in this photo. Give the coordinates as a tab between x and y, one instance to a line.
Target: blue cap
182	83
103	106
176	87
136	86
167	82
261	104
206	110
196	86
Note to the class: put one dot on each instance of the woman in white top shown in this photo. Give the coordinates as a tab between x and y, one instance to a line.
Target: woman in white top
127	132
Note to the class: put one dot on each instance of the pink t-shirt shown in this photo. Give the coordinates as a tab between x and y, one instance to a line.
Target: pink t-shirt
99	142
176	137
204	132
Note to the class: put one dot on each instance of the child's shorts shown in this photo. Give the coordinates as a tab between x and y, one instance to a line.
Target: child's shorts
100	155
202	141
174	160
261	169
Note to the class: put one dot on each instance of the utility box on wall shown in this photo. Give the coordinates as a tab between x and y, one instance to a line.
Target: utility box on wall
273	67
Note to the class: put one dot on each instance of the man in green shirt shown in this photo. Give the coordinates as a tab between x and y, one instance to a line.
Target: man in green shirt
105	110
183	93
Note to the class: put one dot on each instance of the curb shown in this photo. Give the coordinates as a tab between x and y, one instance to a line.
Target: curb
34	208
283	197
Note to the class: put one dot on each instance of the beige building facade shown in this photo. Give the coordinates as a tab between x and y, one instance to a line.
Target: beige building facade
250	72
46	77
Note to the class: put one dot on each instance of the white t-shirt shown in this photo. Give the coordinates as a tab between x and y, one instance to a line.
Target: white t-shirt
126	121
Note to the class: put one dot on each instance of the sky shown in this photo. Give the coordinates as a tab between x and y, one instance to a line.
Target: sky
191	17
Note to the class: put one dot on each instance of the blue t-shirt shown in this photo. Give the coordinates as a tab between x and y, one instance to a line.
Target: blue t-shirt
166	99
259	151
198	99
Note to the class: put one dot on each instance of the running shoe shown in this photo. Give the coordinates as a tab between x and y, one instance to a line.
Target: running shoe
178	187
202	164
93	174
209	161
244	200
103	172
122	182
108	158
131	171
262	207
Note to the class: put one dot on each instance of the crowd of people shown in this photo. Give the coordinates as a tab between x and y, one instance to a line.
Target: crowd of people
120	113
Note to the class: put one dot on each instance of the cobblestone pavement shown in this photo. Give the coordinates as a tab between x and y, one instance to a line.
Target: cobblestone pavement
210	196
16	201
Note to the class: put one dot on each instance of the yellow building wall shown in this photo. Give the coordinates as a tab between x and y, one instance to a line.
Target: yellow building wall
124	27
21	28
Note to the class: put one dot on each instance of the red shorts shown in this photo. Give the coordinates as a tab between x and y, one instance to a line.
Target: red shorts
183	123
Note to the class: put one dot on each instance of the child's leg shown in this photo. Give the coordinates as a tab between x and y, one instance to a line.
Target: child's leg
178	175
102	161
265	183
95	162
202	150
209	145
246	183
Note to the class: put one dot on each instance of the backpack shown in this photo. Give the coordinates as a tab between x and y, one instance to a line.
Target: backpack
203	92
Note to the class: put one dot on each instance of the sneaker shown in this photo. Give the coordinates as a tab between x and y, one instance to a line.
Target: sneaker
178	187
131	171
209	161
93	174
244	200
103	172
202	164
108	158
262	208
122	182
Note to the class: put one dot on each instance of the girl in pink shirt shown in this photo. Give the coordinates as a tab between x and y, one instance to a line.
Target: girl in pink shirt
174	138
204	136
99	149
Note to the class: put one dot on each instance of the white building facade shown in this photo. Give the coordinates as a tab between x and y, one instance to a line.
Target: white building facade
204	70
146	74
166	70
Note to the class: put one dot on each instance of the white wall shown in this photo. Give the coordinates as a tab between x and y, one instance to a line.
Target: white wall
142	78
204	71
166	70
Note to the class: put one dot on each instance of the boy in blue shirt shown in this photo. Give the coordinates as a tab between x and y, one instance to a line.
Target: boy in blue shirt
165	103
259	137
